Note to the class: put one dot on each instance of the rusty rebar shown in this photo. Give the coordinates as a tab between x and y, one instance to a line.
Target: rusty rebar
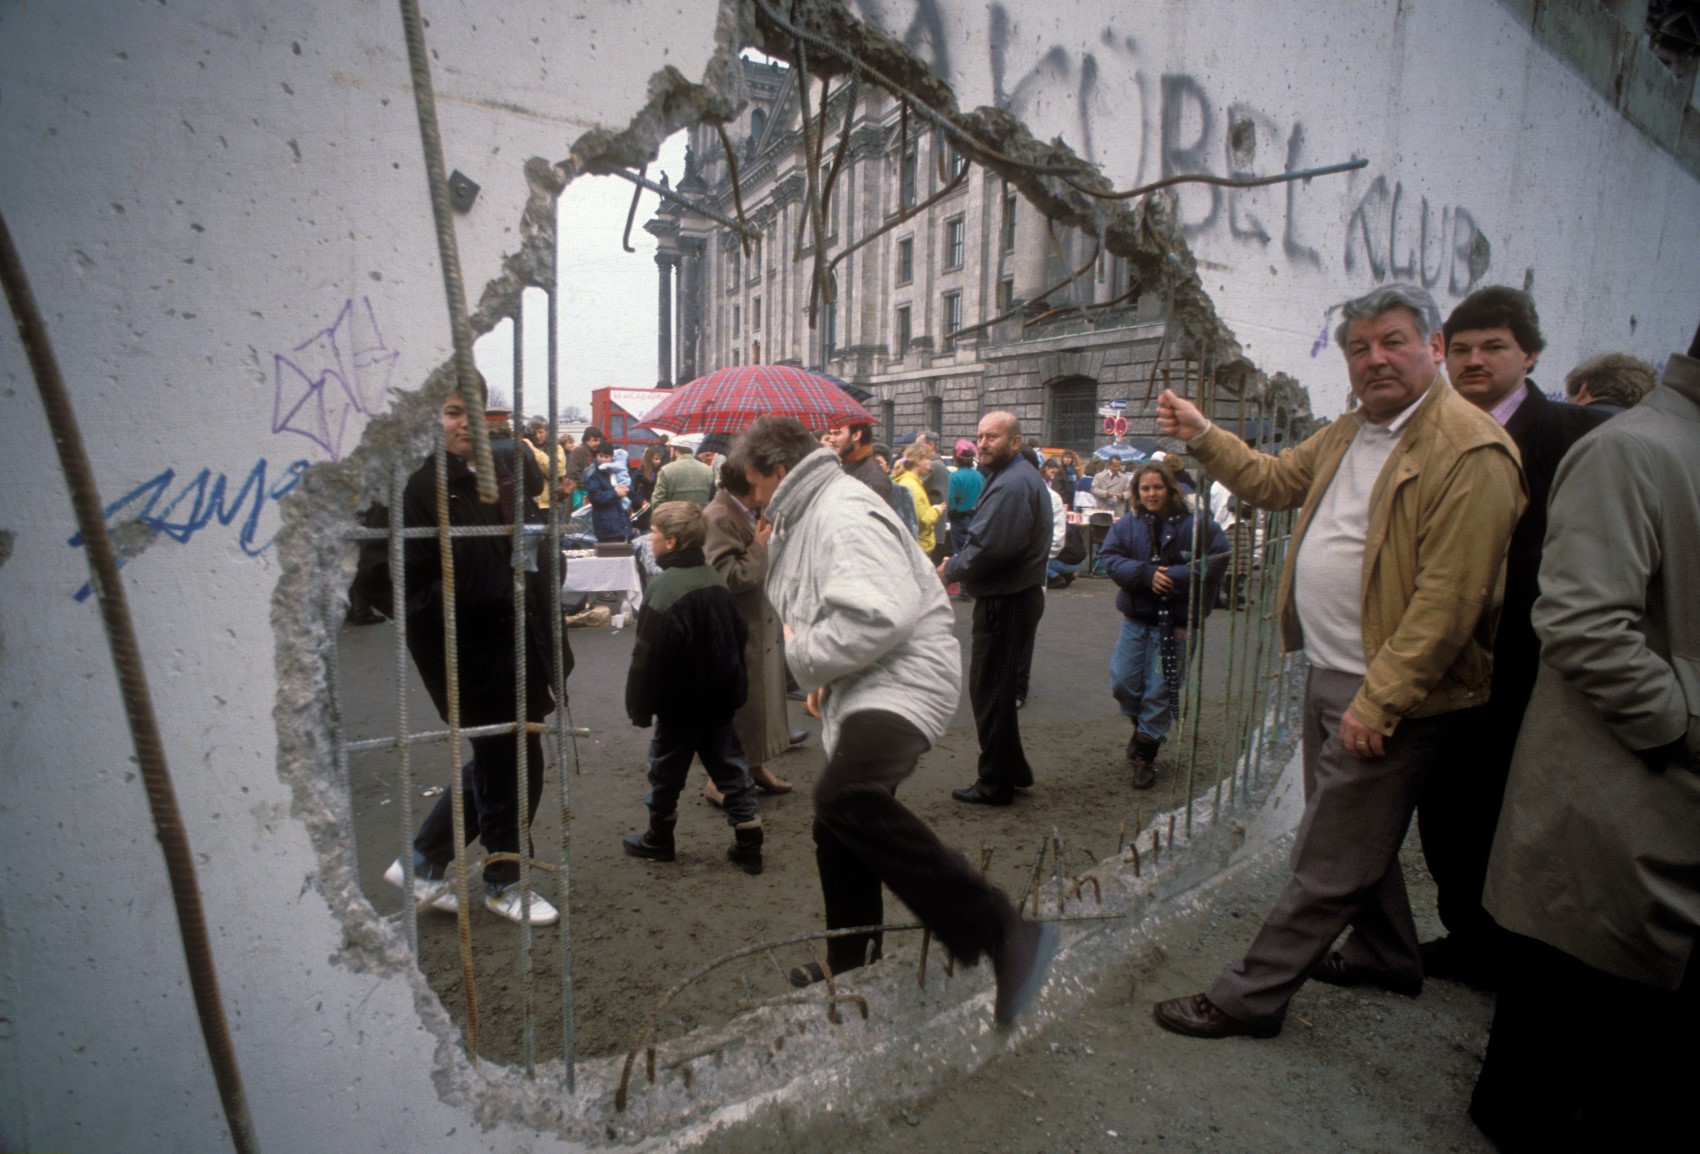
631	216
737	188
467	377
621	1095
151	762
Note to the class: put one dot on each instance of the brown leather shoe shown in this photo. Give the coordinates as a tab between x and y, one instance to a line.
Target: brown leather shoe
1335	970
1196	1016
769	782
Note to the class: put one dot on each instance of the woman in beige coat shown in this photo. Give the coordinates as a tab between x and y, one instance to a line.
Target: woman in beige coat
737	550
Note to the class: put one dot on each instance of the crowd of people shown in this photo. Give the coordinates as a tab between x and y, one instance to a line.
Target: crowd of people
1489	587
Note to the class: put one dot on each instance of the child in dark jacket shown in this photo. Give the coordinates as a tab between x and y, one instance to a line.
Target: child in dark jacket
688	676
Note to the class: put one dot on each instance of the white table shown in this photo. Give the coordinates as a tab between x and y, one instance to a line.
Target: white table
603	575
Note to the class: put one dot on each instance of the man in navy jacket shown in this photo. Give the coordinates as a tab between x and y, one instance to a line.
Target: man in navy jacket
1002	567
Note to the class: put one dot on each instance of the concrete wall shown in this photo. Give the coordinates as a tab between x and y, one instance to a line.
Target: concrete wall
224	205
1490	160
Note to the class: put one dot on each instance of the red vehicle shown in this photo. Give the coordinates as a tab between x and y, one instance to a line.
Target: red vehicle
619	413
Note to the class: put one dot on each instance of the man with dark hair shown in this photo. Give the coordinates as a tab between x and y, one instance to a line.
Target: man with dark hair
584	455
486	660
1493	339
1002	566
1610	382
869	635
855	447
1500	307
1391	587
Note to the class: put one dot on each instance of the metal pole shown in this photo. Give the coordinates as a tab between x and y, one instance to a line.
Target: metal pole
564	730
522	739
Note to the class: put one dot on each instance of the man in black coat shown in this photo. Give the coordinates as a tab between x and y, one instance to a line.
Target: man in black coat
484	620
1493	339
1002	566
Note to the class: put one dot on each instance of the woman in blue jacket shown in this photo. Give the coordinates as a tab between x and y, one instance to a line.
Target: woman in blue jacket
1149	553
608	513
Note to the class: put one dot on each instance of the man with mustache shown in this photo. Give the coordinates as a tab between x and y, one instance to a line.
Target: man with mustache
1493	339
1391	587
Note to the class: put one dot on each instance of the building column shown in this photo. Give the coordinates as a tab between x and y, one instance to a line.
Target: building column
691	293
664	329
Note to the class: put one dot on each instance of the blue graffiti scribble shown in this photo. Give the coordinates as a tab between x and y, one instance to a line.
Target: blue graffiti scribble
200	501
340	370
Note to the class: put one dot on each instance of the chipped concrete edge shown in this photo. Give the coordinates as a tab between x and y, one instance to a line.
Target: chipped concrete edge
308	602
711	1080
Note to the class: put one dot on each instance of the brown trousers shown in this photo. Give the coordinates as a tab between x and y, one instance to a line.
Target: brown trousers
1345	860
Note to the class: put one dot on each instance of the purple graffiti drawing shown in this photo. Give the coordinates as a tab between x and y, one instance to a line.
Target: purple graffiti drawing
338	371
1320	345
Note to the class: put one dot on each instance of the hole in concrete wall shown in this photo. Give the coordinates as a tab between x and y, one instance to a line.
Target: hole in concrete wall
1101	305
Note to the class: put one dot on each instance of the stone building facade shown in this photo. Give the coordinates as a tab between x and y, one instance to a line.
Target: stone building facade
947	294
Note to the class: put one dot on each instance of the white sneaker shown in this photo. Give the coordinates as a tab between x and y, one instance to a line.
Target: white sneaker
431	894
508	904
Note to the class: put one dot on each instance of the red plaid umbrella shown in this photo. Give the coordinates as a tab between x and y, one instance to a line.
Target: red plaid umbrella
730	400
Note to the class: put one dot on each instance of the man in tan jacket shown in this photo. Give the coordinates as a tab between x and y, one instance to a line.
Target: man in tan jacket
1392	589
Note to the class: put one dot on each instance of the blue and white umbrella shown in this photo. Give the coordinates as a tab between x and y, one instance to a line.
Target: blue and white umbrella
1131	449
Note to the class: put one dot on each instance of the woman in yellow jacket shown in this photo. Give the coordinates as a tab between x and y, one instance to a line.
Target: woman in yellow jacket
907	473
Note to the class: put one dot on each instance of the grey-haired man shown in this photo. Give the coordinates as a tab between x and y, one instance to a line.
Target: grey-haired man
1392	589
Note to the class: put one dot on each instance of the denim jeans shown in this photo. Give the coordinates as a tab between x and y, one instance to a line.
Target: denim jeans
959	531
1136	677
672	748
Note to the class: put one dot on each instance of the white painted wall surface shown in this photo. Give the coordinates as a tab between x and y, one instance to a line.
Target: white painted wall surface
196	189
200	188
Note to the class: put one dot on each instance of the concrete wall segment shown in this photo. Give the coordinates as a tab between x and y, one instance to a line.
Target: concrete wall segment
219	204
1477	136
217	207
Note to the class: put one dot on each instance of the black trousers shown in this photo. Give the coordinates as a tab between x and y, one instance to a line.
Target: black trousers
1005	625
490	791
1458	814
865	838
1583	1060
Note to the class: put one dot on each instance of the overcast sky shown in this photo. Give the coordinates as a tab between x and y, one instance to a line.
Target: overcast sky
607	296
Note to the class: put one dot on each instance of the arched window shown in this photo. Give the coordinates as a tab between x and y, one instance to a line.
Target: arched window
1072	411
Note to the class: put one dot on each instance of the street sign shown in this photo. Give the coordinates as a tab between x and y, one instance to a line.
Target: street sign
1115	426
